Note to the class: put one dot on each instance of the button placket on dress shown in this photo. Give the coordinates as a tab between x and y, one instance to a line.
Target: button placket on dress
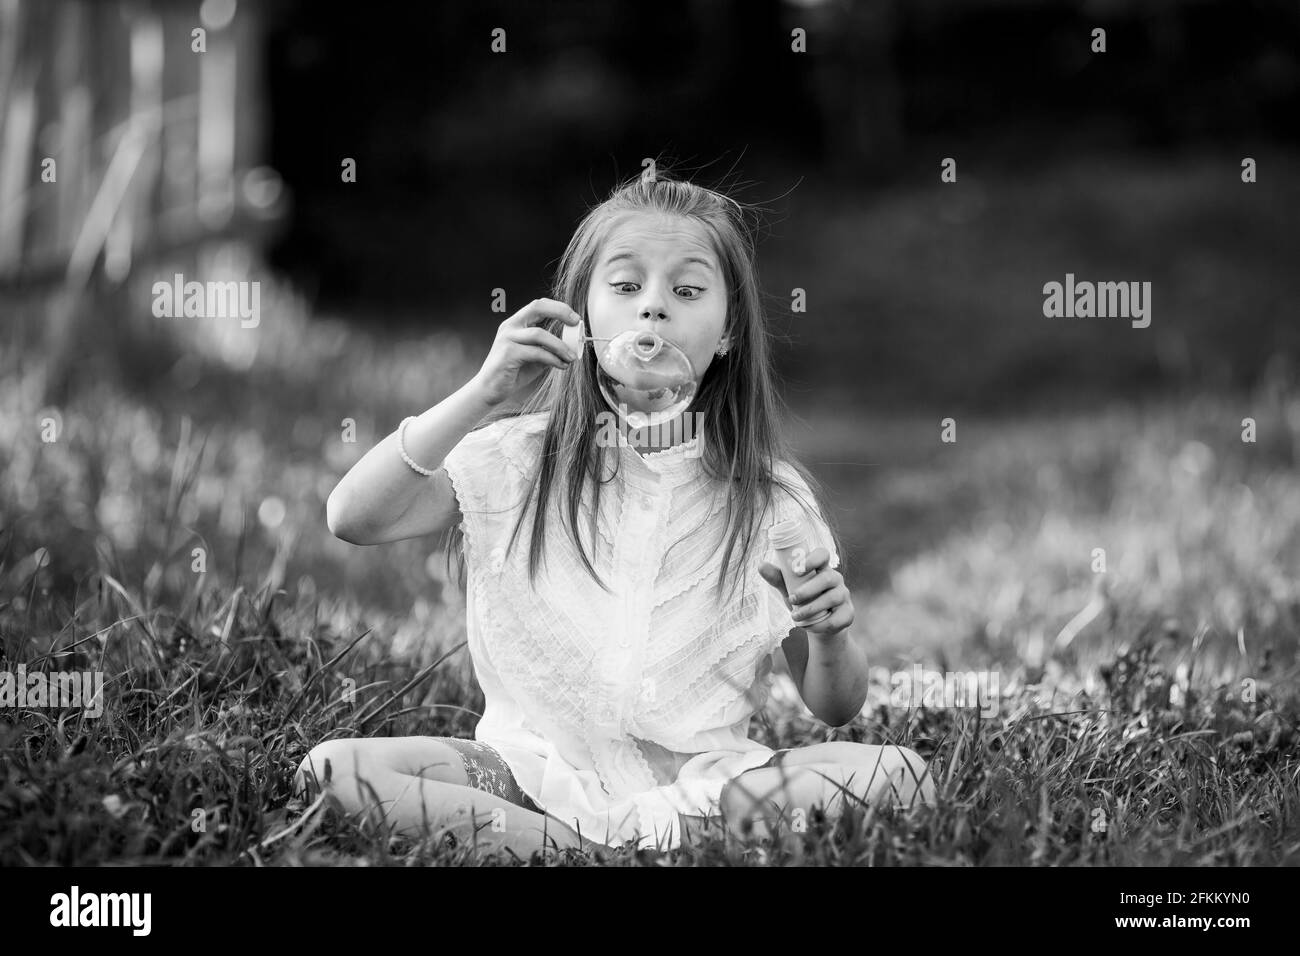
618	674
619	659
607	679
641	534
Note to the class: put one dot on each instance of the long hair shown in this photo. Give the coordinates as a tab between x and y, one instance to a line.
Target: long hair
737	399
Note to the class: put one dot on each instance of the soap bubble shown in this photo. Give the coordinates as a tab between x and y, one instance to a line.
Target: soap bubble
645	378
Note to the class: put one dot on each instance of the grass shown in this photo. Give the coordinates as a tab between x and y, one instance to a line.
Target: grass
1146	715
208	711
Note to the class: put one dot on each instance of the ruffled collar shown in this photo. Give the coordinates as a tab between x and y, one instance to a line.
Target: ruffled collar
675	464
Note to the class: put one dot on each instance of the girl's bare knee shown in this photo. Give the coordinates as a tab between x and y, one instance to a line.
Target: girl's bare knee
325	765
909	778
734	801
743	811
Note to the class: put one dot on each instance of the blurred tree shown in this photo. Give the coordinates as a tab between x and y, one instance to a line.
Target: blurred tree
859	90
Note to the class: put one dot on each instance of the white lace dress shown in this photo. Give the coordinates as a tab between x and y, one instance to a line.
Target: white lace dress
617	712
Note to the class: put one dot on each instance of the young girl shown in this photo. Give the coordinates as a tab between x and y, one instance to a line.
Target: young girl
621	618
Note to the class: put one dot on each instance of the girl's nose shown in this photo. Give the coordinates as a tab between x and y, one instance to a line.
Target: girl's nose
656	313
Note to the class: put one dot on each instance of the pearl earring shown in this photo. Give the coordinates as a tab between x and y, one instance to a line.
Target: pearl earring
722	351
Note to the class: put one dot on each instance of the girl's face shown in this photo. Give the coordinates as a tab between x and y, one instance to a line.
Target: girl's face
659	273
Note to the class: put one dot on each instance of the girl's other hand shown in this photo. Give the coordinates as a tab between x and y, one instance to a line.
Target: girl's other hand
522	350
822	588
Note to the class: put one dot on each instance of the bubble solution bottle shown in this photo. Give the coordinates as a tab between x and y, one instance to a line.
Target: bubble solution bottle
792	541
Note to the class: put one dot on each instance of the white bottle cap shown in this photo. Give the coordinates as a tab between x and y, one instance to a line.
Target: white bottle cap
786	534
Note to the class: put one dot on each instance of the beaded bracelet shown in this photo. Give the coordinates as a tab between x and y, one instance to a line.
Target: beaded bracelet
401	448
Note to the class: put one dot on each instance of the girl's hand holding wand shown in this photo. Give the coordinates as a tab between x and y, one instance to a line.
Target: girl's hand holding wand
522	350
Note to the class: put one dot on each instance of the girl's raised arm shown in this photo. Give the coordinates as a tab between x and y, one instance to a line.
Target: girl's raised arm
381	498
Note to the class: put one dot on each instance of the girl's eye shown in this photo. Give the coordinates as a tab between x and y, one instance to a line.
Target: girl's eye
697	290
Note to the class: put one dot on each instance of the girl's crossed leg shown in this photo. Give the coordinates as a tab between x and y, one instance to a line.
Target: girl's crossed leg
818	775
442	783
